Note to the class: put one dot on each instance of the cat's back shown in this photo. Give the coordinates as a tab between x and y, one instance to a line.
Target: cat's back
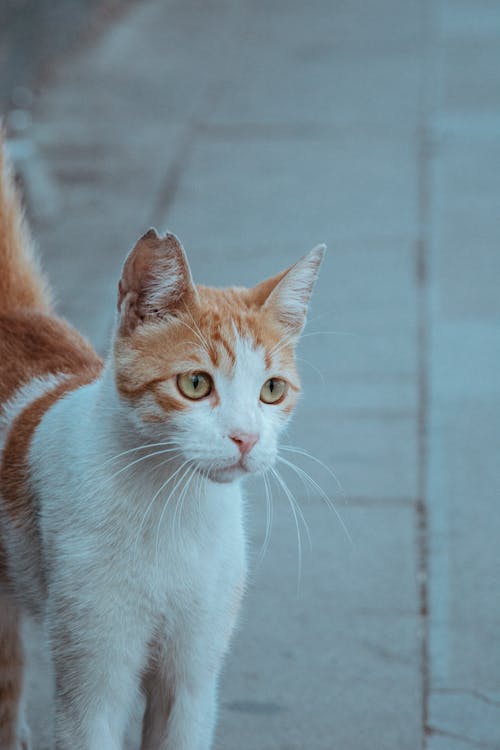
36	345
42	358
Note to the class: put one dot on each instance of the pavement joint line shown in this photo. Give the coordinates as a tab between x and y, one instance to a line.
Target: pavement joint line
467	691
255	131
359	502
380	502
392	415
436	732
424	202
168	190
170	185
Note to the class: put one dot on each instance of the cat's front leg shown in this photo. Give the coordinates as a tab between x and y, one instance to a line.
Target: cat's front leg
180	711
97	664
181	684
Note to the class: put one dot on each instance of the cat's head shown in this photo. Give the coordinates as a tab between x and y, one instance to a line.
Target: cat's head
212	370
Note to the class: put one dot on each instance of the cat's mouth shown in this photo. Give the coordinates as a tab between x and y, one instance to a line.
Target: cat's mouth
229	473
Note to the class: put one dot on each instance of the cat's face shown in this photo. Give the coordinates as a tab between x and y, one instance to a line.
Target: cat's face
212	370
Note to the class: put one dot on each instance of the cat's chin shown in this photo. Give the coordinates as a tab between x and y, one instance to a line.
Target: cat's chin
227	474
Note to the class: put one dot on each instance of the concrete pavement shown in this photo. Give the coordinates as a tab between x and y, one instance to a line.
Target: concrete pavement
255	130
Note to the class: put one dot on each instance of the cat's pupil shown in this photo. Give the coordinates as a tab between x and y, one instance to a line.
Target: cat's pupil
271	385
195	381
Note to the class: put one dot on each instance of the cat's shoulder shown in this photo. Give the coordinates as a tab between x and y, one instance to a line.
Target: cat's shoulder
34	345
42	358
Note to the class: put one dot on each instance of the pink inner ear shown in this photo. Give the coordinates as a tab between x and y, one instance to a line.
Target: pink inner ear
287	294
261	292
155	280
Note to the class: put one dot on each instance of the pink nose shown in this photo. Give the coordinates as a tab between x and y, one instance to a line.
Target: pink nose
245	441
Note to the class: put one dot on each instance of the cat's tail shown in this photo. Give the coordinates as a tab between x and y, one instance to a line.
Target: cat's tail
22	284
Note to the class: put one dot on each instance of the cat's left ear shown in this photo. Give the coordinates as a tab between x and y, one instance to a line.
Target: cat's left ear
286	296
156	280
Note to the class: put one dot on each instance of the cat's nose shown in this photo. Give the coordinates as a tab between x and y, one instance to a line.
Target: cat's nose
245	441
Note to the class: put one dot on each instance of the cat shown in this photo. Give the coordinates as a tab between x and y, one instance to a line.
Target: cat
121	522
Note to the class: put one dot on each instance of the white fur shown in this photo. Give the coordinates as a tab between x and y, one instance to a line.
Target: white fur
129	562
23	397
16	544
168	277
19	545
240	410
141	551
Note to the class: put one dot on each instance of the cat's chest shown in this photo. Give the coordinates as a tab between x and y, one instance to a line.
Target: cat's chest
185	561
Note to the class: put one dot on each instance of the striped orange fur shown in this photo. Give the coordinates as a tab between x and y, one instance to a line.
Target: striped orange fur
129	602
34	343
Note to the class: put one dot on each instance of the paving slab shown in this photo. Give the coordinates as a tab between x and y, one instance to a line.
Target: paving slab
344	644
463	484
255	130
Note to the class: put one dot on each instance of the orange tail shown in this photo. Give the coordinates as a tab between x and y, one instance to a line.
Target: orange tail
22	285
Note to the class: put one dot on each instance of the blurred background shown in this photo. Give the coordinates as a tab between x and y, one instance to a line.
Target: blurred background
255	130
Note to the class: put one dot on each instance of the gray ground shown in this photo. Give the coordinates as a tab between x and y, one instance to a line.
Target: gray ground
255	130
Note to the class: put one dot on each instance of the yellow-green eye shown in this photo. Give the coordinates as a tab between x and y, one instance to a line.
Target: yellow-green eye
194	385
273	391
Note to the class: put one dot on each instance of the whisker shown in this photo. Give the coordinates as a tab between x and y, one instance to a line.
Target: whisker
141	447
313	367
328	333
179	481
150	504
303	452
305	476
198	336
142	458
299	511
180	502
284	342
320	316
202	337
269	520
297	527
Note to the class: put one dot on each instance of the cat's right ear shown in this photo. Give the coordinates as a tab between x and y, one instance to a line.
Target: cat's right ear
155	281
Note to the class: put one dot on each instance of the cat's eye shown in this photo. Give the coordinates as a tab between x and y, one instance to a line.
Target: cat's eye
273	391
194	385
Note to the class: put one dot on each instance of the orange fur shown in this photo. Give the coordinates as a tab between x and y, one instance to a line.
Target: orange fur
166	326
11	670
33	343
21	283
201	337
14	470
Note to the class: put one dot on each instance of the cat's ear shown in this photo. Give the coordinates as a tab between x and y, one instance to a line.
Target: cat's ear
155	281
286	295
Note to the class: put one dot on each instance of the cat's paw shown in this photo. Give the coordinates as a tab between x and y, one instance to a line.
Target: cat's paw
24	737
23	741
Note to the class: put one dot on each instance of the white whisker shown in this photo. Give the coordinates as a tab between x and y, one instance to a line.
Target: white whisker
313	367
288	495
201	336
303	452
198	335
163	443
150	504
176	485
180	502
269	520
305	476
142	458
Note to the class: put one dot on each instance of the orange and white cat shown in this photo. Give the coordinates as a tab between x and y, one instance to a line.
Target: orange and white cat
120	484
